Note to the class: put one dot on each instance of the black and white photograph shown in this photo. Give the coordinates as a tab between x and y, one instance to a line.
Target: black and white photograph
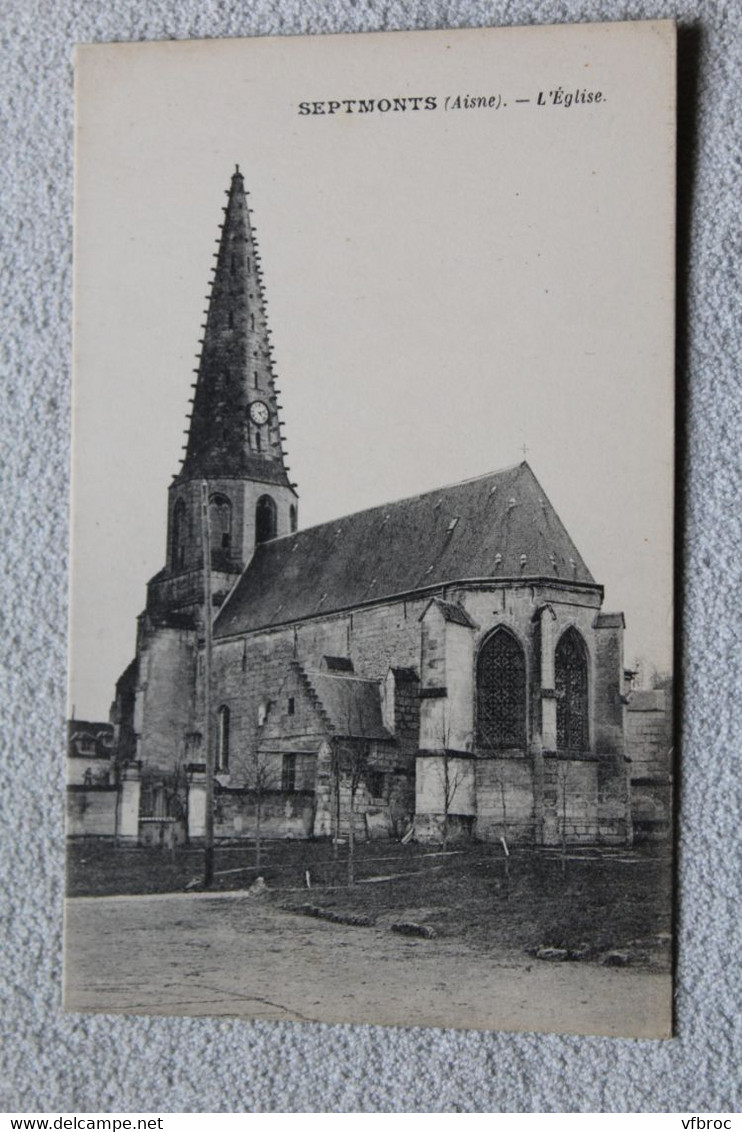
371	660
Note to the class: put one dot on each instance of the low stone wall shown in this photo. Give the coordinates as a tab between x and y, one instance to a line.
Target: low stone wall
429	827
282	814
91	811
162	833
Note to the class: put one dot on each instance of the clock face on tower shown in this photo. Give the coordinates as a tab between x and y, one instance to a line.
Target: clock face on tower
258	412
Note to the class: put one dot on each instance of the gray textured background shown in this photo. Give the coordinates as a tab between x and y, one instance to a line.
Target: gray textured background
57	1062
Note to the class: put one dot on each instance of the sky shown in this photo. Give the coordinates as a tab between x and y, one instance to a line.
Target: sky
445	287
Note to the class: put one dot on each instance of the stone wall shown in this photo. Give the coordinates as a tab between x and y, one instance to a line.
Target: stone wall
384	800
165	698
283	815
608	700
649	747
91	811
513	818
254	673
649	734
251	671
431	771
570	801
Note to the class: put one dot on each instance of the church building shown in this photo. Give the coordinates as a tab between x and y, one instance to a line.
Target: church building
442	660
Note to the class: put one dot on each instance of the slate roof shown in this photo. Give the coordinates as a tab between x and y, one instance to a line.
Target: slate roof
499	525
235	365
89	740
351	705
453	612
610	621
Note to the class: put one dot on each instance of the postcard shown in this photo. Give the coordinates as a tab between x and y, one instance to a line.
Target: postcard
372	529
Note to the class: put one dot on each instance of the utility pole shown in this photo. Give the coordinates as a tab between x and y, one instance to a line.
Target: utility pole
208	744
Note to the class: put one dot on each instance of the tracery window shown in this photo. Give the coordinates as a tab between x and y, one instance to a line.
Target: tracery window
570	682
265	519
501	692
222	739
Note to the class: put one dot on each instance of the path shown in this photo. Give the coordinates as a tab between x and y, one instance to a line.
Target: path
228	955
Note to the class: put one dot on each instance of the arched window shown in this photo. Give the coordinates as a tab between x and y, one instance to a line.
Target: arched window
570	682
220	518
292	518
180	535
222	740
265	520
501	692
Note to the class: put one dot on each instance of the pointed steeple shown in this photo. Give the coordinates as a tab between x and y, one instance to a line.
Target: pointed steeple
235	429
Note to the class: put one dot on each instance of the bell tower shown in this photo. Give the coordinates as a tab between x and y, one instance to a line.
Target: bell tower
234	442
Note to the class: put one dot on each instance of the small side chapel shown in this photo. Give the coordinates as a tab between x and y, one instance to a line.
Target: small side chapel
439	659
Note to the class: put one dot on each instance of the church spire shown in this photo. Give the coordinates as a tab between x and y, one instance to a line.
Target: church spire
234	428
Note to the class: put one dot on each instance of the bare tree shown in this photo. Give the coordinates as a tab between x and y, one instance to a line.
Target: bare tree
504	833
492	753
335	800
260	778
351	758
451	776
562	784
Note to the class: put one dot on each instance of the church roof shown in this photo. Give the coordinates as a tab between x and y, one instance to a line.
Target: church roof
498	526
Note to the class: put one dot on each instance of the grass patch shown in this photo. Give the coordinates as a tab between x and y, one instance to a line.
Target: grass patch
595	902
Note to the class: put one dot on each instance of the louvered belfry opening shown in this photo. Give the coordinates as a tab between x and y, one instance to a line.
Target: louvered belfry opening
265	520
501	692
570	681
221	522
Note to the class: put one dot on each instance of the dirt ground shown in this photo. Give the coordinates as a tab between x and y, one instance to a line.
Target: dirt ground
236	956
594	901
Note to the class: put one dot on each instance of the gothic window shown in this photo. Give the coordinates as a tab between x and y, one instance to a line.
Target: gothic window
265	519
258	441
292	518
288	774
220	517
222	739
180	534
501	692
570	681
